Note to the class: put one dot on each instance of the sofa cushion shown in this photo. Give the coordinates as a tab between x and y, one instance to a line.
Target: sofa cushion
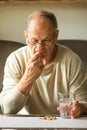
6	47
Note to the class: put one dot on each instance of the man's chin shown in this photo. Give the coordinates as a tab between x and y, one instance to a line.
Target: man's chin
41	56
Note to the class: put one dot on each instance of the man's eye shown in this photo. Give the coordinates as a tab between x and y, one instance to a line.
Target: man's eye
34	41
46	41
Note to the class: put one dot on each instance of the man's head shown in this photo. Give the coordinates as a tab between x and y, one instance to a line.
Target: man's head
46	14
41	34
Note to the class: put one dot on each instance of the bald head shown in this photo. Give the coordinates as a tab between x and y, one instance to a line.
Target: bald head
50	16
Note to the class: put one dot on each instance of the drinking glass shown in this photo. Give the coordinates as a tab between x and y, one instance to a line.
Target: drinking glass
66	101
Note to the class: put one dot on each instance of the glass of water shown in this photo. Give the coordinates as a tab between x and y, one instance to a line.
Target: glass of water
66	101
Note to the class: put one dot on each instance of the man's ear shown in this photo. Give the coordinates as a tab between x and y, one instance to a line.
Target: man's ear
57	33
26	36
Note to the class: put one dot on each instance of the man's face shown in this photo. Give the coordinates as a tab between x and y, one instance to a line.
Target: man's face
41	38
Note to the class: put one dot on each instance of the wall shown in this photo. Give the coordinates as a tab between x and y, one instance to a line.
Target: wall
72	20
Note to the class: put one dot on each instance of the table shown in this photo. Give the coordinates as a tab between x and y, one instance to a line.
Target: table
37	123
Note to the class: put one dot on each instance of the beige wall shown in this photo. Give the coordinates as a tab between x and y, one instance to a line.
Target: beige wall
72	20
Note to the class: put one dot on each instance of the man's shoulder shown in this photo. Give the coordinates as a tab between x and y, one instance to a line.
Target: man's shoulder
19	53
65	52
21	49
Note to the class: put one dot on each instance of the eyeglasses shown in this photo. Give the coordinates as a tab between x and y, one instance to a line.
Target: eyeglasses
45	42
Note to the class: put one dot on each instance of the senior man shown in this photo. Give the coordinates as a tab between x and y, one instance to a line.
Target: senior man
34	74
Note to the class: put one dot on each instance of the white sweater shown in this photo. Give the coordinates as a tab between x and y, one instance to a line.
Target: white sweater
66	74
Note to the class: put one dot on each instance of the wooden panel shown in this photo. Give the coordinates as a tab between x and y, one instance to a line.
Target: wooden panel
23	2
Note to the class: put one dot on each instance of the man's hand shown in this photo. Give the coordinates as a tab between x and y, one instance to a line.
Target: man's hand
33	70
77	109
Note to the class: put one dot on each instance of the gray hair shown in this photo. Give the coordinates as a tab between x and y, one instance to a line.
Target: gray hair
46	14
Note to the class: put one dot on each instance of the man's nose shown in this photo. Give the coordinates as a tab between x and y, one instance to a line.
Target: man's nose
40	43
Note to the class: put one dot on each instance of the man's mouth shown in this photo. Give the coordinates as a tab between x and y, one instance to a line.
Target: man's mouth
40	53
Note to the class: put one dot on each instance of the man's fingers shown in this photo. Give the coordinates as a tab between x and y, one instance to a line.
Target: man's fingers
76	111
35	57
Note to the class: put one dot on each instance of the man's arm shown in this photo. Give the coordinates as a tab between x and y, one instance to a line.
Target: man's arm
17	85
78	84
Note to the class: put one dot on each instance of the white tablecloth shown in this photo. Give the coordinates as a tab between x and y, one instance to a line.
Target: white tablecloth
38	122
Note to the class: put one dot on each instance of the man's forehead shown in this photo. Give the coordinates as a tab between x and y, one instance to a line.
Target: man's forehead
39	20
